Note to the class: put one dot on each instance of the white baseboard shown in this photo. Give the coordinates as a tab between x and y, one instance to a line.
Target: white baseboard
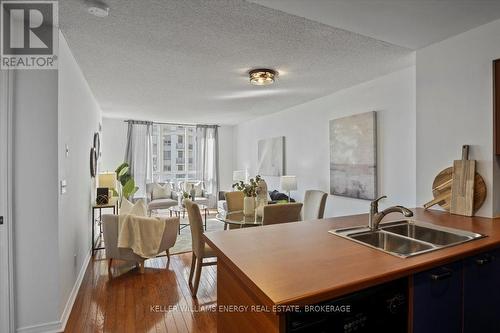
60	326
53	327
74	291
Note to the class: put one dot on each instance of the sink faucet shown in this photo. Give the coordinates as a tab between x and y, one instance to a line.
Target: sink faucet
375	216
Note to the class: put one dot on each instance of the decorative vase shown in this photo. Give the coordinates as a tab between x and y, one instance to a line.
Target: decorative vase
249	206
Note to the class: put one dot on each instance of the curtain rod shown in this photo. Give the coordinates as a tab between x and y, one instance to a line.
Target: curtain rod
162	123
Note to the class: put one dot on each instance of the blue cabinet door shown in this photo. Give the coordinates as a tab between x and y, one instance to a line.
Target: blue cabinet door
437	300
482	293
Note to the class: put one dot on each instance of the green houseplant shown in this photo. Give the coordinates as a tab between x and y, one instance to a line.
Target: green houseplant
126	180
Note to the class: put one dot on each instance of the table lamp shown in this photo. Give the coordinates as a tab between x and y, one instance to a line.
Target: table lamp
288	183
107	180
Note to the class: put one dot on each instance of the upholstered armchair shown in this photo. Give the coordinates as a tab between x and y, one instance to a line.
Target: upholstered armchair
160	203
110	232
201	197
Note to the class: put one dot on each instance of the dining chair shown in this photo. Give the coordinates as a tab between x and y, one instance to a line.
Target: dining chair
314	205
234	200
281	213
201	250
234	203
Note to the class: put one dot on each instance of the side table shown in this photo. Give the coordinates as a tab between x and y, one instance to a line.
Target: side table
112	204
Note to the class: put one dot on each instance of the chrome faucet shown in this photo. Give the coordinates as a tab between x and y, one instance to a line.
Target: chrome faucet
375	216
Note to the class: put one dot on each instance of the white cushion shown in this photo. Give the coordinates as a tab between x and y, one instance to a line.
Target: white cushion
162	204
198	188
162	192
128	208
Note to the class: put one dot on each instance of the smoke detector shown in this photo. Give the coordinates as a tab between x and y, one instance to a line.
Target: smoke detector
98	8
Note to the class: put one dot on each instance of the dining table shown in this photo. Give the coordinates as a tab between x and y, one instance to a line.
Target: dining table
236	219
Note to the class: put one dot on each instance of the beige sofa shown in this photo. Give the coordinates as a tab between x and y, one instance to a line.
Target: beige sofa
110	231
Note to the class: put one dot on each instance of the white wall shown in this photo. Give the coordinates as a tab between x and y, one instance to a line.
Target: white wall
79	117
306	131
35	206
114	140
51	109
454	107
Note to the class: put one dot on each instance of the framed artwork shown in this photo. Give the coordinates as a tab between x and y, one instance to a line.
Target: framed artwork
353	156
97	144
271	156
93	162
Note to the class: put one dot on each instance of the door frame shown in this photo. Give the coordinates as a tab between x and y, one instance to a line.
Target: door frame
7	269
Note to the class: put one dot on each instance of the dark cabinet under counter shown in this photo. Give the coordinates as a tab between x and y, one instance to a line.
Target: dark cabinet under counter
437	299
482	293
383	308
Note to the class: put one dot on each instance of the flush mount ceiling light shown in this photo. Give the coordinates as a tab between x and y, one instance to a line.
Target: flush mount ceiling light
262	76
98	8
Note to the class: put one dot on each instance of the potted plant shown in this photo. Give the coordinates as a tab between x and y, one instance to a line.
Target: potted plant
249	189
127	188
185	195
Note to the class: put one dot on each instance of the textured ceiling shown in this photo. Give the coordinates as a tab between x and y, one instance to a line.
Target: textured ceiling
187	61
409	23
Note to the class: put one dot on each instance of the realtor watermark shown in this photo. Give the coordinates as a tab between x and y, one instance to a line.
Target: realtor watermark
29	34
318	308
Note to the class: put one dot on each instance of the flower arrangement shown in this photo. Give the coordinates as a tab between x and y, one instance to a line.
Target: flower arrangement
249	189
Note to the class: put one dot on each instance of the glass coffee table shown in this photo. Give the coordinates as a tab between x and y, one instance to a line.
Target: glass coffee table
238	219
181	211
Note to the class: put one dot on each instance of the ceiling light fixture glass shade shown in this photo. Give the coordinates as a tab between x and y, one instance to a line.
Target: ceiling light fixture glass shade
262	76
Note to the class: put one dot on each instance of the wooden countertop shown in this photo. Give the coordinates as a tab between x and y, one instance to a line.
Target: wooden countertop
302	263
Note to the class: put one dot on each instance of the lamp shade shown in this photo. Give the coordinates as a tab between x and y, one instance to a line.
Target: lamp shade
107	179
239	175
288	183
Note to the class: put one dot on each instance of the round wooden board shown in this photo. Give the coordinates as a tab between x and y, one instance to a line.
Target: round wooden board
446	175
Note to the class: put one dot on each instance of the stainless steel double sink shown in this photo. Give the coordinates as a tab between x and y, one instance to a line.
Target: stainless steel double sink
407	238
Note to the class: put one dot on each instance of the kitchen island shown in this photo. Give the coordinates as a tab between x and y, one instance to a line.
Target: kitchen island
267	271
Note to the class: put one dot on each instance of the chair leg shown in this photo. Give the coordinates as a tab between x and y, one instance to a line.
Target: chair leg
199	263
193	264
141	267
110	262
168	256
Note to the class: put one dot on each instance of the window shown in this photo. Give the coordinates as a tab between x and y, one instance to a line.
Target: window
174	152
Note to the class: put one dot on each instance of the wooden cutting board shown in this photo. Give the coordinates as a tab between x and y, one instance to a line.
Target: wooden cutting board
462	185
441	189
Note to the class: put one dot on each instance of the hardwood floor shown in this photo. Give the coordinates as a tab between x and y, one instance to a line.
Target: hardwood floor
156	301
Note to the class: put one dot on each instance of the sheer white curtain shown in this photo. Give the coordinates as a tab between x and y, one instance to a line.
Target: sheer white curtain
138	154
207	160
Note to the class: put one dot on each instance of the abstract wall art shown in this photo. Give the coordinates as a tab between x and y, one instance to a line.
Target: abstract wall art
353	156
271	156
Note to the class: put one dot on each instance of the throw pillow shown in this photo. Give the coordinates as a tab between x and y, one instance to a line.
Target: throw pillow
198	188
161	192
138	209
